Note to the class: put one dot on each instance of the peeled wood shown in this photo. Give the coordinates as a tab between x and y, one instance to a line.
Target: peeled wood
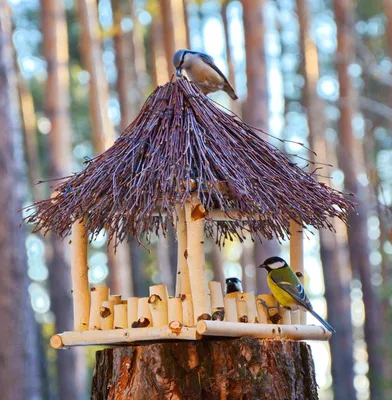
107	315
158	302
99	294
175	310
235	369
143	309
187	310
132	303
232	329
120	316
195	214
79	273
183	284
297	256
249	298
216	296
230	309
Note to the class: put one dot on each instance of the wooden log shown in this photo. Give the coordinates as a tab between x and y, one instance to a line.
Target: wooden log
79	276
143	310
242	311
195	214
250	300
183	284
297	257
120	316
187	310
99	294
175	310
265	316
263	331
107	315
285	315
158	305
216	296
234	369
230	309
295	317
116	298
132	303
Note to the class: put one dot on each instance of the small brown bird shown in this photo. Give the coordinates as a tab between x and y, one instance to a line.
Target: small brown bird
202	70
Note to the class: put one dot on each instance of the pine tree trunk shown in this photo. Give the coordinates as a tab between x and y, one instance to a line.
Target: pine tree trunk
232	369
337	272
351	161
18	357
55	50
256	106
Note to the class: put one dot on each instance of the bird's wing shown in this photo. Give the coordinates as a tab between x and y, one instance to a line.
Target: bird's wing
297	291
210	61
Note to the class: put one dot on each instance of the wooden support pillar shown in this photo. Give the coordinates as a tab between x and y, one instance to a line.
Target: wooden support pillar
183	285
297	263
195	214
79	275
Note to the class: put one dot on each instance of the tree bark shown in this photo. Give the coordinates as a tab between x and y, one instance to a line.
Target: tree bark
18	357
350	155
256	106
244	368
337	274
55	50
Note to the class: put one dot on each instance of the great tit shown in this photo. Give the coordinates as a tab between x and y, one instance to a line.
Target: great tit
287	288
202	70
233	285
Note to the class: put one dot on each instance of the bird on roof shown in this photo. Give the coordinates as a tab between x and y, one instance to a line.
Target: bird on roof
287	289
201	69
233	285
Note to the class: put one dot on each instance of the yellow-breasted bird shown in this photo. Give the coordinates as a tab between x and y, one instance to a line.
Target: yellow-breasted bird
287	289
202	70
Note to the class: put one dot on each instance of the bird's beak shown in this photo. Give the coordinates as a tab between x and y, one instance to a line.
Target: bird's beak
178	73
262	266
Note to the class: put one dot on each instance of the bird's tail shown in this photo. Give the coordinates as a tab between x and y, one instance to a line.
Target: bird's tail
322	320
230	91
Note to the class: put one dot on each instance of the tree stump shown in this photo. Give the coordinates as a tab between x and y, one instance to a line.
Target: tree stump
243	368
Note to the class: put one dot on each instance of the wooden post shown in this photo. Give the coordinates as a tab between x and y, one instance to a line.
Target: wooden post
265	315
250	300
183	284
120	316
216	296
195	214
158	305
132	310
230	309
297	258
79	274
143	310
175	310
187	310
99	294
107	315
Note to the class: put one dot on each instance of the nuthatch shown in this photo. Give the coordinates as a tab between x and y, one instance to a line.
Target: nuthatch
233	285
202	70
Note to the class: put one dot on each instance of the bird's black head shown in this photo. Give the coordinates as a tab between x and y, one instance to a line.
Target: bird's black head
273	263
178	61
233	285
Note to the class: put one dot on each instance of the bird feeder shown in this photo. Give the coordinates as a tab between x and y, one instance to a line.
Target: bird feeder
187	162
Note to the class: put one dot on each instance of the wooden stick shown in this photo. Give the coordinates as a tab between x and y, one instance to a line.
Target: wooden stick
132	304
120	336
242	311
195	214
143	310
158	305
219	215
262	312
99	294
175	310
107	315
116	298
286	316
183	284
120	316
295	317
263	331
187	310
230	309
297	256
249	298
79	276
216	296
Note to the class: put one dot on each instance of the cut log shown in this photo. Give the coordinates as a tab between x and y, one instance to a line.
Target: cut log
245	368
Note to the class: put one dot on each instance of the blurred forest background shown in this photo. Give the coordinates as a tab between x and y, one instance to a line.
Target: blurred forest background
74	74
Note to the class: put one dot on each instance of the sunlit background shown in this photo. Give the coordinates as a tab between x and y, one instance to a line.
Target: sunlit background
287	120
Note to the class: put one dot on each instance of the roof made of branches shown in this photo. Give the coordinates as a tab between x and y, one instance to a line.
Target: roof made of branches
179	143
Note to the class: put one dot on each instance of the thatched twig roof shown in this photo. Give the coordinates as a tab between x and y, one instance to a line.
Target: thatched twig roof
180	140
